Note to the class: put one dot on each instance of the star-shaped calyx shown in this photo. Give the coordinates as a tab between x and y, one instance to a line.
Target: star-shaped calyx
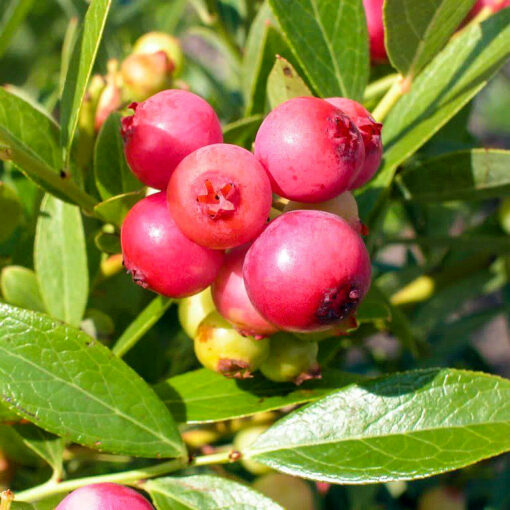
218	202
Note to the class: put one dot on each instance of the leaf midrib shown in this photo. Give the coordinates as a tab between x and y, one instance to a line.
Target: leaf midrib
382	436
89	395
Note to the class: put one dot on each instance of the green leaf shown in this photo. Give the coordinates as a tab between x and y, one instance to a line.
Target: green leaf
468	175
147	318
205	491
11	211
372	311
108	243
416	31
30	139
80	69
20	287
113	175
284	83
61	260
18	505
329	40
45	445
484	243
30	130
400	427
461	70
263	44
115	209
242	132
71	385
203	396
13	17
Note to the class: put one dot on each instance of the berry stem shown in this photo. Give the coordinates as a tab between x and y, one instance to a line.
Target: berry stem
134	477
6	498
389	100
379	87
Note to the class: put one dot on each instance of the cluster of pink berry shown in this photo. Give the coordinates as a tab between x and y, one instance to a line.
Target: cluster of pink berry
305	271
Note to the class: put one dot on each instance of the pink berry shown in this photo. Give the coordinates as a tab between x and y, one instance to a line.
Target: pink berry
310	150
104	496
220	196
375	24
494	5
163	130
231	299
160	257
370	131
307	271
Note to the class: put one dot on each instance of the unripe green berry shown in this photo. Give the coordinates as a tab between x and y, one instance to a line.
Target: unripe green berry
159	41
221	348
243	440
290	492
192	310
291	359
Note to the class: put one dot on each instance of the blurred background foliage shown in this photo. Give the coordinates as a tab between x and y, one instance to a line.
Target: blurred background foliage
453	300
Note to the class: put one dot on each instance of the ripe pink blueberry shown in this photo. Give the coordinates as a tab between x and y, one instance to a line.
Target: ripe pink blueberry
310	150
370	131
104	496
307	271
160	257
220	196
375	25
232	301
163	130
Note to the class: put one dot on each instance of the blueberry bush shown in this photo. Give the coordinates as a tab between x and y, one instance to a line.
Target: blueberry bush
254	254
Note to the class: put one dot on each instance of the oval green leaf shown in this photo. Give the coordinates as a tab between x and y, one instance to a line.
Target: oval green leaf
329	40
203	396
71	385
284	83
400	427
30	139
107	243
115	209
47	446
457	74
205	491
80	68
113	175
20	287
468	175
264	42
416	31
60	258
